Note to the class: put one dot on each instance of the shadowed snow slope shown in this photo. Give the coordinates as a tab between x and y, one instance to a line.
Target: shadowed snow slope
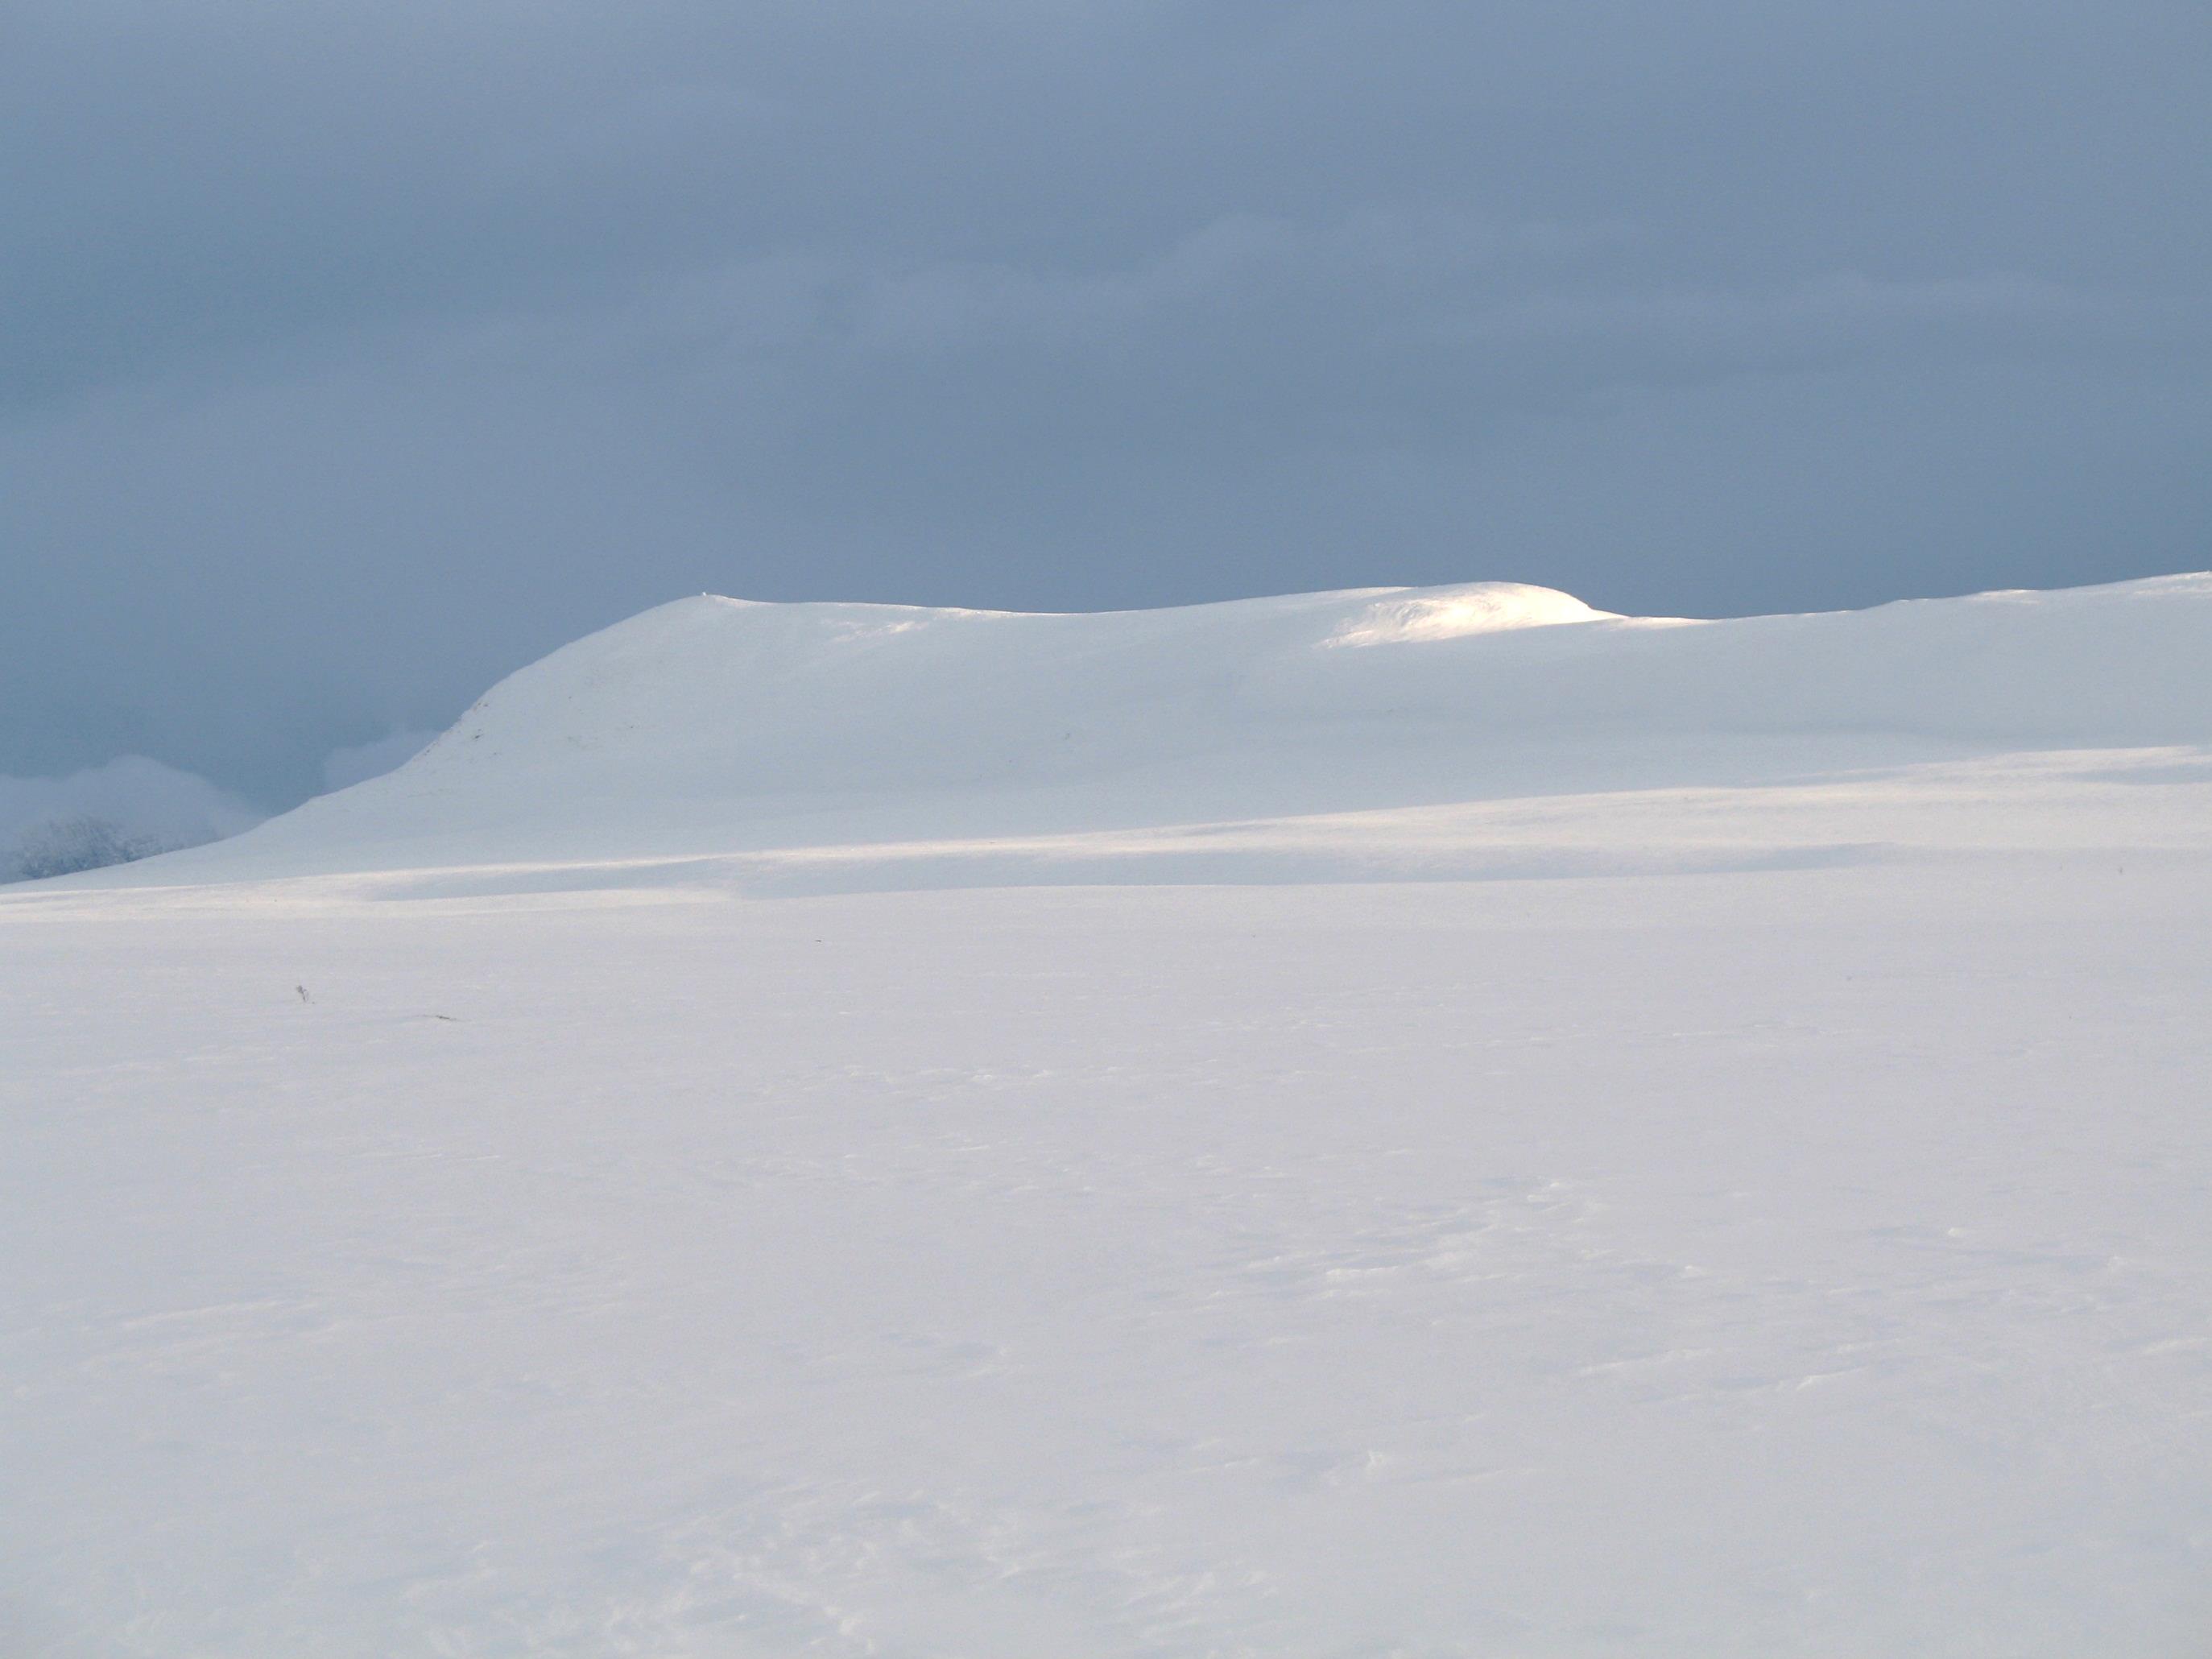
714	725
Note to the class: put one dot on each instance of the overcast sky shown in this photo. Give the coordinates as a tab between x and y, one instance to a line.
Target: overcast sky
353	354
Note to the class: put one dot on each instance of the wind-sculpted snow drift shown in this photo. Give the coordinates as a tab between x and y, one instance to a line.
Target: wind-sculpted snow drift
713	725
1431	1123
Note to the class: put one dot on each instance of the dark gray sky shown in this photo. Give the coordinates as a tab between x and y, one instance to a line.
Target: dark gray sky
353	354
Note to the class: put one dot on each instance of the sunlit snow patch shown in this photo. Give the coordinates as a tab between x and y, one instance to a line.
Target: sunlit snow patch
1451	613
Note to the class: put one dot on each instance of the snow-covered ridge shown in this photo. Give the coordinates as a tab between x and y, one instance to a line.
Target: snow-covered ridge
713	724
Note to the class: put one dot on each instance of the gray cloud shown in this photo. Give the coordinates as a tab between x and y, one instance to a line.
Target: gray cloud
350	356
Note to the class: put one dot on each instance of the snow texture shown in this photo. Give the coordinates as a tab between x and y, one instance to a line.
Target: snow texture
1427	1124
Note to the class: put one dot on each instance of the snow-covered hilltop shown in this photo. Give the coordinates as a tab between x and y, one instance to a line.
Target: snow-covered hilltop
714	725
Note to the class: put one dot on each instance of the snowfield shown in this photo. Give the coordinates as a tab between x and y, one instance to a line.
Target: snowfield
1398	1123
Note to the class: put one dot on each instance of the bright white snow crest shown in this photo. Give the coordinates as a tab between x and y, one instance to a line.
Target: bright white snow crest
1451	613
1436	1123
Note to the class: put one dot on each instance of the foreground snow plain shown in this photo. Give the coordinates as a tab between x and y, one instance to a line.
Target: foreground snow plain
1434	1124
